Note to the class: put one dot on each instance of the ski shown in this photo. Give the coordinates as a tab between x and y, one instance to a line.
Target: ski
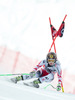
30	84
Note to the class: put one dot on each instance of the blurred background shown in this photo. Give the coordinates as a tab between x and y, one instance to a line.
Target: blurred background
25	36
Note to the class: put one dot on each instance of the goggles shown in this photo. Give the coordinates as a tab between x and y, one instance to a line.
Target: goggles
51	60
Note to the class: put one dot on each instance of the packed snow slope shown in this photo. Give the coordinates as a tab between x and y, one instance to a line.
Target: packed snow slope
11	91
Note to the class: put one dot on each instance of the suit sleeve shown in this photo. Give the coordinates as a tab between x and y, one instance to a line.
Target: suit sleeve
39	65
59	73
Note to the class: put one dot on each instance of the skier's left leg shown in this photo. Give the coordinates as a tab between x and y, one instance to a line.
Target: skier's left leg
43	77
26	77
37	81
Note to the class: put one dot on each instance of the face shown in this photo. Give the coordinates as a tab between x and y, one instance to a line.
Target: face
51	61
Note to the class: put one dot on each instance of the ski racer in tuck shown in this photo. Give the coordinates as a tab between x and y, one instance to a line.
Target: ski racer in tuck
44	74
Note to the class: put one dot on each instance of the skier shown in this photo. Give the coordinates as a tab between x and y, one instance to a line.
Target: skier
44	71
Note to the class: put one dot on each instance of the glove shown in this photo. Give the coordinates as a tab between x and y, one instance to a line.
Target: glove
58	87
32	74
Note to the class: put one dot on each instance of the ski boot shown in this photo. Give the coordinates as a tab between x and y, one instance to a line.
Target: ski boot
36	83
16	79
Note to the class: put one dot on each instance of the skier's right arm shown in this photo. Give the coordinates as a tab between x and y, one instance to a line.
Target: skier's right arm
40	64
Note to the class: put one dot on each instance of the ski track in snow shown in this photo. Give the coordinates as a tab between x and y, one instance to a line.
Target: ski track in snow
11	91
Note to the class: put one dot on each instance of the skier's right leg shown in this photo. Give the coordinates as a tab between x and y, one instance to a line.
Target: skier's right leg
16	79
20	78
26	77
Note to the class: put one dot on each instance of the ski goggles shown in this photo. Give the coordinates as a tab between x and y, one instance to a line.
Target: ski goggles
51	60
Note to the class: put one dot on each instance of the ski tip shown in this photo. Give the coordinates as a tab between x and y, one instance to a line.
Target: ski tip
65	17
50	20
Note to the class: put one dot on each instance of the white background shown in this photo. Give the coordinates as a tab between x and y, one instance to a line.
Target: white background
24	27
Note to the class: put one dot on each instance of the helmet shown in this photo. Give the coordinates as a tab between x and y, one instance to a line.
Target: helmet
51	57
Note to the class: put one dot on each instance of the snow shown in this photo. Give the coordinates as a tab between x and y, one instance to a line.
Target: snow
11	91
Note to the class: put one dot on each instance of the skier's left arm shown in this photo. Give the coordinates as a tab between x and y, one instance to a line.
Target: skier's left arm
59	74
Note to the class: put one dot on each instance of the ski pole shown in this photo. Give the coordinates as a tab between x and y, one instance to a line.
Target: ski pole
14	74
61	82
61	24
65	17
62	87
53	43
52	36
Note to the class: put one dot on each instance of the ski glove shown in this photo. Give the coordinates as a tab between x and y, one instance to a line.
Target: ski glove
58	87
32	74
